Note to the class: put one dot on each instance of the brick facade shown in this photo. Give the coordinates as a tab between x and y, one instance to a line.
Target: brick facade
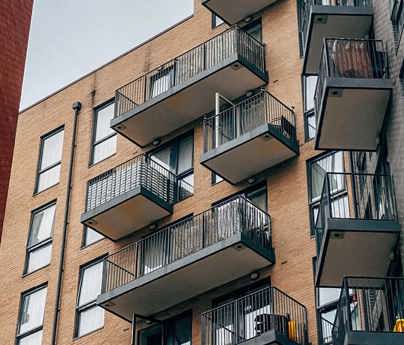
15	19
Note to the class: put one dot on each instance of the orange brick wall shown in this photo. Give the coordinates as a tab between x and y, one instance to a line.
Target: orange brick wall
287	187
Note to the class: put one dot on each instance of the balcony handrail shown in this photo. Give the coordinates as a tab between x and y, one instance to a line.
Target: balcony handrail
364	303
246	115
308	4
141	170
189	64
261	310
347	195
326	331
185	237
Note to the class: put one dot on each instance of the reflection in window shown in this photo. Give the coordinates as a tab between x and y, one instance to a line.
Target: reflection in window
216	21
30	322
91	236
39	246
50	160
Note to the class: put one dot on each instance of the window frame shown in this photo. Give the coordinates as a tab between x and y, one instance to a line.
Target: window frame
313	204
89	305
308	114
84	237
175	144
28	292
214	21
95	143
39	172
29	249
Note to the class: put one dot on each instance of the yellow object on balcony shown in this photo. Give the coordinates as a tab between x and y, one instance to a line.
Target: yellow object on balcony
292	330
399	326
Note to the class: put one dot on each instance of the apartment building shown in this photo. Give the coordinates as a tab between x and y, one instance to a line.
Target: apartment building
228	181
15	19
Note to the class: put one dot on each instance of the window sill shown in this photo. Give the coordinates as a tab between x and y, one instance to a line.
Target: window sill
26	274
90	164
44	190
84	246
78	338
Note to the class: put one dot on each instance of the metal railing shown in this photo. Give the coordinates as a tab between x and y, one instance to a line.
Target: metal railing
229	44
245	116
369	305
138	172
305	11
326	332
351	58
355	196
253	315
176	241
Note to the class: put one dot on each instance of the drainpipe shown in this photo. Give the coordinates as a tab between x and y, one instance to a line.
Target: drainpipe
76	108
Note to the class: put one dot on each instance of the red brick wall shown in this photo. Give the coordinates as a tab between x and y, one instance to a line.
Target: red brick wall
15	19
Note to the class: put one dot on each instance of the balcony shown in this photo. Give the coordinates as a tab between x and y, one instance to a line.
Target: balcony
186	259
322	19
352	94
129	197
357	227
179	91
370	312
237	10
267	316
249	137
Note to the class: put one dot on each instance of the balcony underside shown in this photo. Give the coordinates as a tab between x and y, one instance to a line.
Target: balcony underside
237	10
250	154
126	213
354	247
189	277
352	106
185	103
373	338
270	338
331	21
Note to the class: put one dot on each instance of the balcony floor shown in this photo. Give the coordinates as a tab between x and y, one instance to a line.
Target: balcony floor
237	10
126	213
331	21
351	106
189	277
186	102
250	154
353	247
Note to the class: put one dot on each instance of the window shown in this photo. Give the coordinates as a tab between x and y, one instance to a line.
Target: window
50	160
254	29
309	89
175	331
397	18
310	127
90	236
317	169
30	323
216	179
89	317
178	157
104	137
39	246
216	21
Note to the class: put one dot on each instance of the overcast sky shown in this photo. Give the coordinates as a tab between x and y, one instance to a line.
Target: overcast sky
69	38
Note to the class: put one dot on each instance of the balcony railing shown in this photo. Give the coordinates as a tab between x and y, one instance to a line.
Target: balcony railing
174	242
252	316
138	172
326	332
259	109
352	59
308	4
371	305
180	70
355	196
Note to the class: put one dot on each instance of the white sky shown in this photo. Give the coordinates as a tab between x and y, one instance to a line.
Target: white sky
70	38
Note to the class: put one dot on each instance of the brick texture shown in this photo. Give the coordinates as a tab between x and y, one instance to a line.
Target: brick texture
15	18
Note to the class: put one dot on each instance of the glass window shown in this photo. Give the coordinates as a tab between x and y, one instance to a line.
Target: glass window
310	125
310	83
317	170
31	316
174	331
254	29
216	178
178	157
39	247
91	236
50	160
104	138
90	317
216	21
